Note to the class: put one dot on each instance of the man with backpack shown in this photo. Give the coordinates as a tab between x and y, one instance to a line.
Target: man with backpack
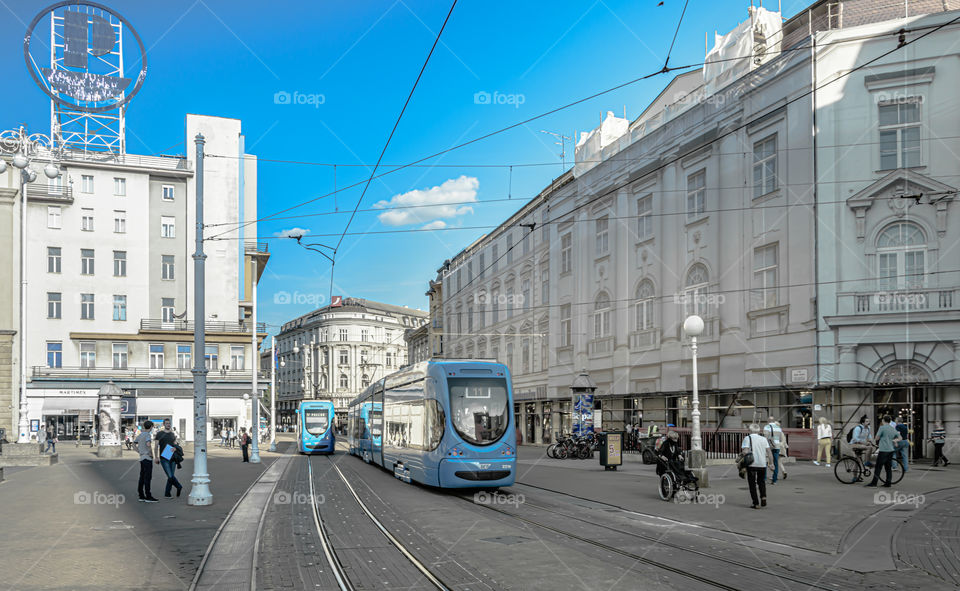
859	439
774	436
166	438
244	443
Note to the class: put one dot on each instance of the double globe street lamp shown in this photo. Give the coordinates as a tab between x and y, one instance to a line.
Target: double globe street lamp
24	148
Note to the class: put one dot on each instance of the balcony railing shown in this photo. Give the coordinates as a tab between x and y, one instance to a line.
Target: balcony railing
164	162
51	193
129	373
256	247
644	339
602	346
898	301
153	324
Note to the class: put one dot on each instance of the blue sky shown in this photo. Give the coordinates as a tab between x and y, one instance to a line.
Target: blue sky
360	59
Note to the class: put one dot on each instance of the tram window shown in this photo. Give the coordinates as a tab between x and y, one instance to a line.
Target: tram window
479	408
434	424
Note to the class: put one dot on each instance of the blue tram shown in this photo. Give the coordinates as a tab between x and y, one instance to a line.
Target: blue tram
443	423
315	427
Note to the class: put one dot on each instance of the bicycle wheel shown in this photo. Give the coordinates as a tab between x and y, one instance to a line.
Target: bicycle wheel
847	470
668	486
896	472
584	452
550	449
560	453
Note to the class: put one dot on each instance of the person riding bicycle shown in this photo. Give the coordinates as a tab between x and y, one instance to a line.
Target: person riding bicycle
861	440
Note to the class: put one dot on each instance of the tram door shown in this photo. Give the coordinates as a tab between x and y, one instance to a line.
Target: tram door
376	418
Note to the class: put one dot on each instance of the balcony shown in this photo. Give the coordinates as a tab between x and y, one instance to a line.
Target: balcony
644	339
45	193
600	347
256	248
135	160
212	326
898	301
140	373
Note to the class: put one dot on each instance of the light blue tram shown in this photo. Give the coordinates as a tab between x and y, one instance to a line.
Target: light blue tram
444	423
315	427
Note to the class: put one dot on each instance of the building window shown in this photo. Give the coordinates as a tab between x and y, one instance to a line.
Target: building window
544	352
390	358
344	356
566	253
120	353
544	284
364	381
168	192
55	186
119	263
54	302
481	266
86	261
211	357
566	325
365	335
236	358
156	356
86	219
53	259
54	217
510	301
469	272
119	186
495	258
601	316
167	267
765	277
696	190
184	356
343	335
526	240
54	354
86	306
120	222
509	249
644	306
765	166
364	359
525	292
119	307
645	217
900	134
168	227
695	291
901	253
495	306
525	352
344	381
88	355
166	309
86	183
469	318
602	226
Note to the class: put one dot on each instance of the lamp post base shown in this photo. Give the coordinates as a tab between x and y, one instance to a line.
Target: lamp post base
697	463
273	446
200	495
109	451
255	456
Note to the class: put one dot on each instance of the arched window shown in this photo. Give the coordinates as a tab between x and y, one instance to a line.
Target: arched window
644	305
364	381
901	252
344	381
695	291
601	316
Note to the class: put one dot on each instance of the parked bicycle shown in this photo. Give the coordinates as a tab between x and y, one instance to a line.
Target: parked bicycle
581	447
851	468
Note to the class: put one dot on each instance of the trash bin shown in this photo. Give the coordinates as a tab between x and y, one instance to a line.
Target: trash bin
611	450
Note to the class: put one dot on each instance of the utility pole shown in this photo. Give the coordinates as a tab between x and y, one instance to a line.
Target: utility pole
200	494
255	355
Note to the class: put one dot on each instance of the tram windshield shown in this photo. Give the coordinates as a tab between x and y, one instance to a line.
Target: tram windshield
478	408
316	420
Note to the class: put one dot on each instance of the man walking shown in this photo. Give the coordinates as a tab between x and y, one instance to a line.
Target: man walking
244	442
887	438
757	445
938	437
774	436
51	439
145	449
167	438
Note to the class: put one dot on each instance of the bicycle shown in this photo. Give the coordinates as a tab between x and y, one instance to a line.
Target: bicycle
850	469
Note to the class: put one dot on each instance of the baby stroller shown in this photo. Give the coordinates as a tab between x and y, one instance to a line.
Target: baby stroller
674	477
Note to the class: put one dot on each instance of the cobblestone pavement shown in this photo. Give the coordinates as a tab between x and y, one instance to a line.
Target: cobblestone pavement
931	539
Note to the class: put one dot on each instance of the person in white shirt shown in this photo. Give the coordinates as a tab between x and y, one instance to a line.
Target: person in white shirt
757	444
774	436
824	440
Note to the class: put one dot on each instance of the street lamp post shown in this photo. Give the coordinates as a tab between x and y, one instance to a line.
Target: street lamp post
693	327
254	363
273	394
25	147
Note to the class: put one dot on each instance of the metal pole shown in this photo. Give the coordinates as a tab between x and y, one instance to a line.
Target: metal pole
695	441
255	355
273	394
23	423
200	494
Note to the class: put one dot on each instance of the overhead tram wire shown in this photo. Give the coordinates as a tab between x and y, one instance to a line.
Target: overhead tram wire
551	112
396	124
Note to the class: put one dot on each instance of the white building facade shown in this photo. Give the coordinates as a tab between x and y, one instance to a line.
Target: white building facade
110	285
333	353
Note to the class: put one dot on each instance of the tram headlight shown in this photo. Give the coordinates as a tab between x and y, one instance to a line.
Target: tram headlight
506	450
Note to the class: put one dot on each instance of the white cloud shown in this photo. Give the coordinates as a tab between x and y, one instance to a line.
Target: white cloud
435	203
292	232
435	225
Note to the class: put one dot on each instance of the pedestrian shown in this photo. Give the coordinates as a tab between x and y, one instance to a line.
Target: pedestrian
93	436
232	436
903	448
145	449
244	442
51	439
774	436
166	438
886	440
938	437
756	446
824	440
860	440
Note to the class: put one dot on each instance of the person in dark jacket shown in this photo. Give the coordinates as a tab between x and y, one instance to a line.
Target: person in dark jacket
903	448
167	438
244	443
938	437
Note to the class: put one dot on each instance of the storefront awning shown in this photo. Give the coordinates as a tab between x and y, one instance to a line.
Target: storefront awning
70	405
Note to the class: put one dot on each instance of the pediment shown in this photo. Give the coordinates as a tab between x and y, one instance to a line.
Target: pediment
900	190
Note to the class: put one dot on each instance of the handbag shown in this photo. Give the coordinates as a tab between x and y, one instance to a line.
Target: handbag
746	458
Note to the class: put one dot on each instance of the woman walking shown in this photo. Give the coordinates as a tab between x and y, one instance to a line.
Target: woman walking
938	437
824	440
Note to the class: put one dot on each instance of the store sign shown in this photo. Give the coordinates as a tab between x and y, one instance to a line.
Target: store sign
128	406
798	376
